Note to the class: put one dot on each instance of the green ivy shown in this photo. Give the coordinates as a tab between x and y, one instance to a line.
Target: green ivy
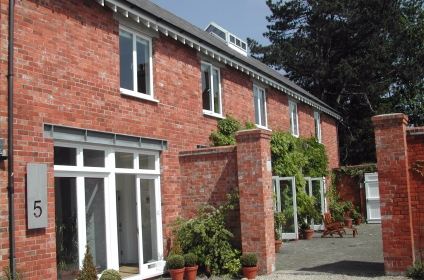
226	128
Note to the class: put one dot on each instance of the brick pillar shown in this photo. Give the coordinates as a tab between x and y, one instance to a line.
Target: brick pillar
256	196
395	200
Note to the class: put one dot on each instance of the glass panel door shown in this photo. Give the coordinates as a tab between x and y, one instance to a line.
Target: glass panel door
150	224
95	221
315	188
285	189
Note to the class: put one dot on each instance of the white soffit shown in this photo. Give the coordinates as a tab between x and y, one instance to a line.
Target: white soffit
140	17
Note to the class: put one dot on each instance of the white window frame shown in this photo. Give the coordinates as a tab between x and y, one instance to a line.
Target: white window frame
135	93
108	173
294	118
261	91
211	97
317	121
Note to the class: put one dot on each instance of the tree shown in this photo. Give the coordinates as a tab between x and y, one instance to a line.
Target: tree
346	53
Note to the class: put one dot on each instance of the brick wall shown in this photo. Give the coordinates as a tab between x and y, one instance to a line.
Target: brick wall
398	148
67	73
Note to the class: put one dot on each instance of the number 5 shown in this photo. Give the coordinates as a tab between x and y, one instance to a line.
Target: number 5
37	207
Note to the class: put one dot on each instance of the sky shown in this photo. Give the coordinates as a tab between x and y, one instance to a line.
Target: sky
243	18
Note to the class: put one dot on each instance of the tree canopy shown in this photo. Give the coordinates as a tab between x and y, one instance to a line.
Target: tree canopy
362	57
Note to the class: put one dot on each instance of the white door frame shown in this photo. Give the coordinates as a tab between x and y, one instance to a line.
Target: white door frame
277	206
318	225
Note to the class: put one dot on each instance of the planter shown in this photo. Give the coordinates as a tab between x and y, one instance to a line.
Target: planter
358	221
190	272
177	274
348	222
68	274
250	272
278	244
307	233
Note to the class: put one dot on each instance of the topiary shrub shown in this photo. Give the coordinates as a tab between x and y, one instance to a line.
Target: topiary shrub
110	274
249	260
88	271
175	262
190	260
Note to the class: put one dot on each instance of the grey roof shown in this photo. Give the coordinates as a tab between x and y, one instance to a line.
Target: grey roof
165	17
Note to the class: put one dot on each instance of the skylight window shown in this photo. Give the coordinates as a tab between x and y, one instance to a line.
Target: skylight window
230	39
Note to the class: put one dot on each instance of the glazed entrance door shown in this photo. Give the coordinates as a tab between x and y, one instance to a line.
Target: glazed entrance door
138	224
315	187
285	190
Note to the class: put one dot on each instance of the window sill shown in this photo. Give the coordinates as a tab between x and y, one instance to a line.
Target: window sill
263	127
138	95
212	114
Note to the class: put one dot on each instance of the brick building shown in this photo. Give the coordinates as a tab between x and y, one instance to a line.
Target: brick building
106	94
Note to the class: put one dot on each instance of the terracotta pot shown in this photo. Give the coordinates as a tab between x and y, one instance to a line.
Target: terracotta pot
278	244
307	233
190	272
68	274
348	222
250	272
177	274
358	221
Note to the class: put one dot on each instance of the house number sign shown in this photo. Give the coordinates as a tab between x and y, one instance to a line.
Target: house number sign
36	195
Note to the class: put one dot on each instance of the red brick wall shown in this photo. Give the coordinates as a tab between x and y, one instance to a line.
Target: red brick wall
415	142
4	201
67	73
256	196
207	176
397	194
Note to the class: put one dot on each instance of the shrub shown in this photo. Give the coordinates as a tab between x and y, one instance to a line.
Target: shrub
110	274
190	260
175	262
416	271
207	237
88	271
249	260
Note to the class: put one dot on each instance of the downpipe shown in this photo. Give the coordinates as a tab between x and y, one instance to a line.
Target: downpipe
11	187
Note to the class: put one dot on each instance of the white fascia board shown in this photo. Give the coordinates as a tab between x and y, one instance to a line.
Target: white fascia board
167	30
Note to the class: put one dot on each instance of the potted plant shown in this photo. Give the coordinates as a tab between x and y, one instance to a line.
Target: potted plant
190	264
307	213
110	274
175	265
88	270
356	215
249	265
279	221
347	208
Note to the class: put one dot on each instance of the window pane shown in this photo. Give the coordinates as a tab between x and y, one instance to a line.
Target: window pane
262	104
124	160
216	99
256	102
148	220
206	87
65	156
146	162
94	158
66	224
126	59
95	220
143	67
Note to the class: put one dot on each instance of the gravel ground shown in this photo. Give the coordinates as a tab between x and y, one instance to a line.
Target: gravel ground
331	258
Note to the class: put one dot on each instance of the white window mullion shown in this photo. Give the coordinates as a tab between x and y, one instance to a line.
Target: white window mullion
81	218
